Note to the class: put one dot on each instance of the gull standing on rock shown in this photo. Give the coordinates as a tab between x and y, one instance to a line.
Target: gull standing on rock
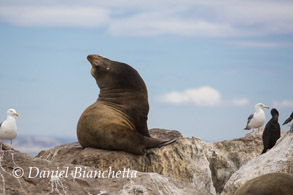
8	129
257	119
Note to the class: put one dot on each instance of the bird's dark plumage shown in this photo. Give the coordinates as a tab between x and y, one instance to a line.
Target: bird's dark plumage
272	131
288	119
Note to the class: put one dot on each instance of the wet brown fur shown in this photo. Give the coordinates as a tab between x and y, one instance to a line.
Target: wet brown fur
269	184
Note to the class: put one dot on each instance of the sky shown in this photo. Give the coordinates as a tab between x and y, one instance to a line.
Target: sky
205	63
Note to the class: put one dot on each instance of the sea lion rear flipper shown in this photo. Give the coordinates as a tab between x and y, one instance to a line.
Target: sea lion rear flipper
165	143
151	142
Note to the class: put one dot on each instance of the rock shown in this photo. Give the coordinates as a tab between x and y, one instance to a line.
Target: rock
189	166
278	159
226	157
187	163
23	174
207	166
165	134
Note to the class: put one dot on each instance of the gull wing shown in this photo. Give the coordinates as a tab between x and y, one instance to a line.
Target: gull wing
248	121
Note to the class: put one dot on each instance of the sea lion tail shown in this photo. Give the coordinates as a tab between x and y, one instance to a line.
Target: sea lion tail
165	143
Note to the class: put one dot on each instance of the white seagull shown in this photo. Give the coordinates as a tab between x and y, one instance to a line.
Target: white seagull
8	129
257	119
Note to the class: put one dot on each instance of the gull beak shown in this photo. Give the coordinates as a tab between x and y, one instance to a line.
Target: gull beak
266	107
16	114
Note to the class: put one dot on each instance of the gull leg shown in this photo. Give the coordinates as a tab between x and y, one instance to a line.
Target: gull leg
10	150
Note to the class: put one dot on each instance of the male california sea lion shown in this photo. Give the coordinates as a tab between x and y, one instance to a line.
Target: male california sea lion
269	184
118	119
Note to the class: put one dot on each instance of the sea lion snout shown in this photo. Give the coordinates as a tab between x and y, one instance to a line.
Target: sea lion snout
97	60
90	57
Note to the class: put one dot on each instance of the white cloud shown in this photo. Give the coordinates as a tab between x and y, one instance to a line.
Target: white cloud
54	16
156	24
262	44
264	16
240	101
155	18
203	96
283	103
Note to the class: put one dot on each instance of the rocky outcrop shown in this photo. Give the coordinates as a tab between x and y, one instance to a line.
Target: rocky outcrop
23	174
189	166
208	166
278	159
226	157
184	160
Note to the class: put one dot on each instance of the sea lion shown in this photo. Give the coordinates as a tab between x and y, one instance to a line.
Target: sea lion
269	184
118	119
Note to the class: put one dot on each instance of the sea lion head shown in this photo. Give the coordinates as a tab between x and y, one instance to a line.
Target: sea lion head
114	75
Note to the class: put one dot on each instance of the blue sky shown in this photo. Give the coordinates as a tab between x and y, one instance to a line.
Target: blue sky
205	64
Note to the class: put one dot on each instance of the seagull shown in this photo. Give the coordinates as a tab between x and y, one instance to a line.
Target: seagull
8	129
289	119
272	131
257	119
